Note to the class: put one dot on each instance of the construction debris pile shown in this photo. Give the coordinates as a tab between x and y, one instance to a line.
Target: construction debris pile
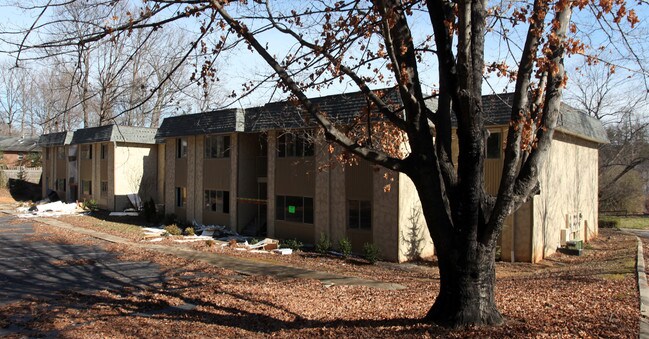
44	208
221	234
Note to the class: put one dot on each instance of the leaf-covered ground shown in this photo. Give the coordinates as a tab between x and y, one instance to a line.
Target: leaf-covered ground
590	296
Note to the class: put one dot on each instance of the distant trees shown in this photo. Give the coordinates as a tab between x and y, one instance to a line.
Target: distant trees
132	79
622	106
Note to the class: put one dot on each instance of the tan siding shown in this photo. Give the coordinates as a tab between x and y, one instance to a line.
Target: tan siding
295	176
292	230
568	188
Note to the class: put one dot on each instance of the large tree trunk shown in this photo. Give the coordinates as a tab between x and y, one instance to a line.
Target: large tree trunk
466	265
467	281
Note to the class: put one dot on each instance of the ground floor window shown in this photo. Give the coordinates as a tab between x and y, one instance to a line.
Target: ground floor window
217	201
360	214
181	196
104	188
86	187
296	209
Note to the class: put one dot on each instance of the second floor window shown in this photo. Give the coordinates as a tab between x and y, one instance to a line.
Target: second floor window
494	145
294	145
86	152
181	148
217	146
104	152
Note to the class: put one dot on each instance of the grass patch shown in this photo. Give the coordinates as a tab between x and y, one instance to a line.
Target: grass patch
119	227
613	277
641	223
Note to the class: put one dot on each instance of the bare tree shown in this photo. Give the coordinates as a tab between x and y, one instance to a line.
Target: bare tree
386	42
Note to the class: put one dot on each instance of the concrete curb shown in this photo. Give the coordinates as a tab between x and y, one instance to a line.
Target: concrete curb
643	288
240	265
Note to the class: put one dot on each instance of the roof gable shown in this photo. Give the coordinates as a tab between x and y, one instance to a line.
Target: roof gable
114	133
55	139
221	121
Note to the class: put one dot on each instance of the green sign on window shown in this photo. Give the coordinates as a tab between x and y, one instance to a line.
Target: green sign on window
291	209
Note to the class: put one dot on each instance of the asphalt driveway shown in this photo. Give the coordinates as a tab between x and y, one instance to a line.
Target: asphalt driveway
44	270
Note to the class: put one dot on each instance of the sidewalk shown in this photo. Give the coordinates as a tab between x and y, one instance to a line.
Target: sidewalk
240	265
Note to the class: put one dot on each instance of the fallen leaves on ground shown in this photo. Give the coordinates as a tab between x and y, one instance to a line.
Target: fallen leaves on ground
594	295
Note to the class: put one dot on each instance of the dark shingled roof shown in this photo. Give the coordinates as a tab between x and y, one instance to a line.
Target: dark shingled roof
55	139
498	108
343	108
108	133
222	121
340	108
18	144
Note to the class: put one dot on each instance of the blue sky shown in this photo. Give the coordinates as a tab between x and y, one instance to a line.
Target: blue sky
246	66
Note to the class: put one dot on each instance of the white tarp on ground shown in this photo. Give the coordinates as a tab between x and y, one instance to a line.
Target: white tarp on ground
52	209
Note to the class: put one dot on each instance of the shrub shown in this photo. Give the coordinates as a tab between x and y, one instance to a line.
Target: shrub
345	247
173	229
324	243
150	213
371	252
170	219
210	243
90	205
293	244
189	231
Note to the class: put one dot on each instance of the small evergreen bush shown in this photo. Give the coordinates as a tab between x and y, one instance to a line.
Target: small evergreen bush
173	229
324	244
371	252
293	244
345	247
91	205
189	231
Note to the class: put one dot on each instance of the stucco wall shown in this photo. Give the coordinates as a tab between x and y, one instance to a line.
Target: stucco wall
135	172
568	189
414	238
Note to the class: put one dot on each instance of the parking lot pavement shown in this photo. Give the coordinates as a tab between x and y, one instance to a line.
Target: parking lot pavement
41	269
